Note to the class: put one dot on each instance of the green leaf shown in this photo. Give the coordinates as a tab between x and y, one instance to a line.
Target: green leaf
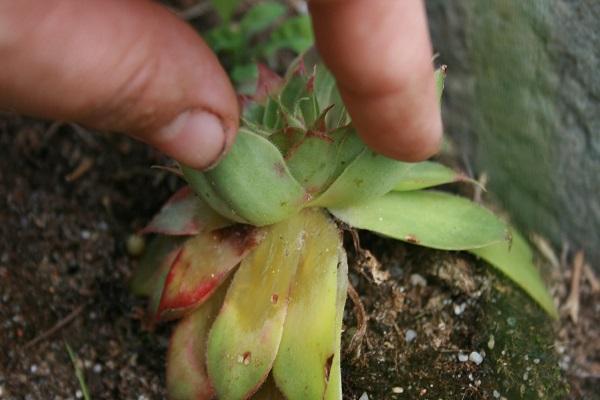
245	337
225	8
244	76
327	94
431	219
294	33
334	387
440	77
251	183
261	16
185	214
428	174
225	39
303	364
515	260
368	176
186	359
201	265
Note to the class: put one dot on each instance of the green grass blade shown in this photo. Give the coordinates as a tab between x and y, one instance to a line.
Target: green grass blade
515	260
78	373
431	219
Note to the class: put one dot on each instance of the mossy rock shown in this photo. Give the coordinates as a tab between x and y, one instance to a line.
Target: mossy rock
456	305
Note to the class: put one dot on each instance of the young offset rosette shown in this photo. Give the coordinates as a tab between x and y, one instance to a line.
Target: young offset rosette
250	254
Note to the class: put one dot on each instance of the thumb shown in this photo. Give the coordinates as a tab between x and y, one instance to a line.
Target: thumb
118	65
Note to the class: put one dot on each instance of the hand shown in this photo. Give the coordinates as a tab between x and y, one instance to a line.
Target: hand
132	66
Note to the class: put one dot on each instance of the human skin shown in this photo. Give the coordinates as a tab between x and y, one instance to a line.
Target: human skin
132	66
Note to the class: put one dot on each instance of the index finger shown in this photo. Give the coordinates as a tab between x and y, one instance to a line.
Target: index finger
380	54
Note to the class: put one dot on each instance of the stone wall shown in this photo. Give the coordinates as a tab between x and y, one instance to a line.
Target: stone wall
523	102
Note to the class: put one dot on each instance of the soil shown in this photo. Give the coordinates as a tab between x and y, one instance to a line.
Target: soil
69	199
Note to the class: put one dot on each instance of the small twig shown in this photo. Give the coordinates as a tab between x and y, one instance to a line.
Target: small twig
195	11
176	170
480	188
57	327
572	303
361	321
591	278
546	250
84	166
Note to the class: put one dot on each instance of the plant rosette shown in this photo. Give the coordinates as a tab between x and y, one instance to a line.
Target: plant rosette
250	254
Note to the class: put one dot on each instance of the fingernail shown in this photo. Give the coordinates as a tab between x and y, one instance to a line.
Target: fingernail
194	138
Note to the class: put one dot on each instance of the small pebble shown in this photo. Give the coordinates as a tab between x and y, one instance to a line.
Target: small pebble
135	245
142	397
459	308
410	335
417	280
78	394
463	357
496	394
33	369
85	235
525	376
97	368
398	389
491	342
364	396
536	360
476	357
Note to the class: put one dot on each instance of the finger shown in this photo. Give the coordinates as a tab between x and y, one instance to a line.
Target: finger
118	65
380	54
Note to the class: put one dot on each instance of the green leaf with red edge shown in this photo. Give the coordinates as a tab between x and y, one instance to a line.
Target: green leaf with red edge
515	260
428	174
186	359
245	337
428	218
201	265
301	369
334	387
154	265
185	214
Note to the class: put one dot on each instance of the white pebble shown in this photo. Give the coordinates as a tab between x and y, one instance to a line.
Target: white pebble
397	389
496	394
417	280
491	343
476	357
410	335
33	368
463	357
78	394
459	308
364	396
536	360
97	368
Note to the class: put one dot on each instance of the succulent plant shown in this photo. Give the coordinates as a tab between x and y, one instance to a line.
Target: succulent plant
250	254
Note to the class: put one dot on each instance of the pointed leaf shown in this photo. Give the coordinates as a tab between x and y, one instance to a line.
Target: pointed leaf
186	359
154	263
203	262
431	219
515	260
268	83
185	214
244	340
334	387
368	176
253	180
427	174
303	364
